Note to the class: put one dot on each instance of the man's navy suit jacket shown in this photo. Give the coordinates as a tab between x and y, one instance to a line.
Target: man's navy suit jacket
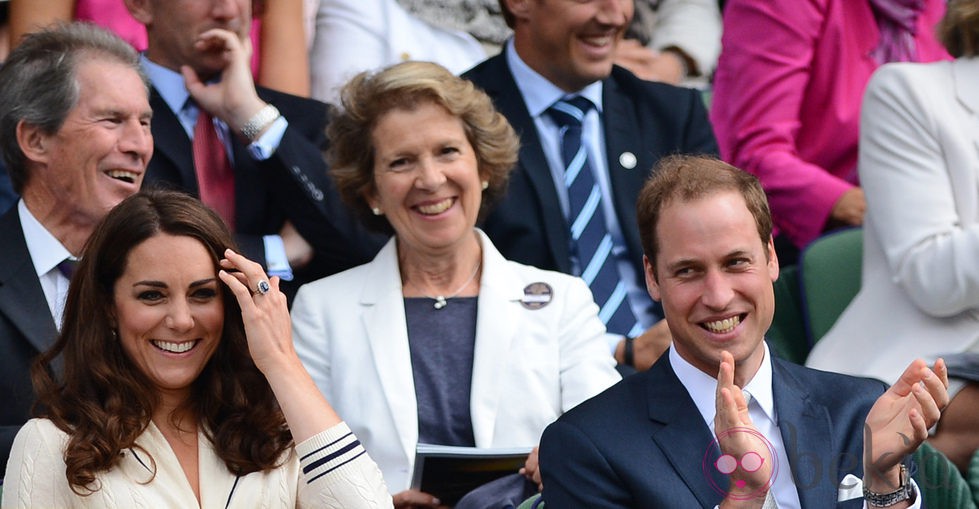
291	185
26	329
643	443
649	120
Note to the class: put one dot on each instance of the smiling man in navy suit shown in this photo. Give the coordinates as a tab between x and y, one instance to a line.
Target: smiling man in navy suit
562	51
718	421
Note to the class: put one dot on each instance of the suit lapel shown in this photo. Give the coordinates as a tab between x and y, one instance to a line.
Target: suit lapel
170	143
499	294
803	423
387	332
628	163
672	410
532	164
21	297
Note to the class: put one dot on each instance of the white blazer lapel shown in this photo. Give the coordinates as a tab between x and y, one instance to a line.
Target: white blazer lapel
387	332
496	325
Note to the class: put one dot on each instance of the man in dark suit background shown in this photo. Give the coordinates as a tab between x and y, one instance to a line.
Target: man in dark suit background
278	198
803	436
561	50
74	132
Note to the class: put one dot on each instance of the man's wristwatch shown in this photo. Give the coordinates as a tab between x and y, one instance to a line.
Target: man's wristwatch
259	122
904	492
628	354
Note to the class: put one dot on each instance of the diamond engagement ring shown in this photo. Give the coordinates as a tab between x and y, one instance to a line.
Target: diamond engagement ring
263	287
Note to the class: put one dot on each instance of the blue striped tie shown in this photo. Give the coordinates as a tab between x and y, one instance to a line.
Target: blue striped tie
591	242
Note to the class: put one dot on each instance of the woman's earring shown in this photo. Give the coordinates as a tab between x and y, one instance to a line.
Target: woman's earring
485	185
376	211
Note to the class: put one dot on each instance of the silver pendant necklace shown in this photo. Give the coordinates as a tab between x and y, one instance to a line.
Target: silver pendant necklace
442	300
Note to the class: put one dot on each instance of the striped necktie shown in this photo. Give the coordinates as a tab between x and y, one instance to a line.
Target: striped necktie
591	242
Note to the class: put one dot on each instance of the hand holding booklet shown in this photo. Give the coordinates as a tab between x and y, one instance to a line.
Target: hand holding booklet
449	472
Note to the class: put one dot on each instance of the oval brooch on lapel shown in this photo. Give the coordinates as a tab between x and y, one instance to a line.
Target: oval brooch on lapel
536	295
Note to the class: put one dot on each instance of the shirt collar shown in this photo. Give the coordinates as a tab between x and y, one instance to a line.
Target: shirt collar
703	387
168	83
45	250
539	93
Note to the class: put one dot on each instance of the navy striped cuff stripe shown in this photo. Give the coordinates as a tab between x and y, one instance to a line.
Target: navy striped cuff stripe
327	446
326	459
321	474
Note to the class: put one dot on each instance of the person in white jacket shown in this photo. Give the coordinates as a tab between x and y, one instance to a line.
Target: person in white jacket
440	339
919	296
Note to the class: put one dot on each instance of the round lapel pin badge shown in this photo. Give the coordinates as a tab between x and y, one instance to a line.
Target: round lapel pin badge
536	295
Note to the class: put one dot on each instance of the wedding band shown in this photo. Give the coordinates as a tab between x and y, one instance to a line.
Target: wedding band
263	287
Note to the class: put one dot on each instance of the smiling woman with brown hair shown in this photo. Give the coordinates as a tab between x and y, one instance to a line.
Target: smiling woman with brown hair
180	385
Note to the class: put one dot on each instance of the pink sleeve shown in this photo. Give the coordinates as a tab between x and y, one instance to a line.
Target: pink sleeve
759	90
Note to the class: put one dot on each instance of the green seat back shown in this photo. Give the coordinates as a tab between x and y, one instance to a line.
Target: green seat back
530	503
787	336
973	477
941	484
830	278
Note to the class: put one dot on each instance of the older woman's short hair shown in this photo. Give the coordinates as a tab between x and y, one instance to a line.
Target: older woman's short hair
39	84
959	29
371	95
682	178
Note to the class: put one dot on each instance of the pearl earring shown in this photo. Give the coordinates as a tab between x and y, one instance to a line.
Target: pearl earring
485	185
376	211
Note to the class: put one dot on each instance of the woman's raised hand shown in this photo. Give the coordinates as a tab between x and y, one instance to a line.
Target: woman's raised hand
264	311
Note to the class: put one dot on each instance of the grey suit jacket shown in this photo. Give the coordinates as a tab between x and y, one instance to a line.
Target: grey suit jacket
26	329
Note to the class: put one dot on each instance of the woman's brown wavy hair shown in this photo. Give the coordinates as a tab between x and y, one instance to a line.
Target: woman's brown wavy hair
104	402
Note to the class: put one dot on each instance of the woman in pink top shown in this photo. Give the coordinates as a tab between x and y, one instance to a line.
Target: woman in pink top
282	47
787	95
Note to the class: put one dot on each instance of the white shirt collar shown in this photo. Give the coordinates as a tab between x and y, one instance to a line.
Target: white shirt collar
45	250
539	93
703	387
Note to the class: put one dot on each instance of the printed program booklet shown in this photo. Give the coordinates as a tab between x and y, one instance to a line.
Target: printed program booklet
449	472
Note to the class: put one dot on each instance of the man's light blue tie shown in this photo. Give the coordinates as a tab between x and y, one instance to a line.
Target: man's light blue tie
591	242
769	502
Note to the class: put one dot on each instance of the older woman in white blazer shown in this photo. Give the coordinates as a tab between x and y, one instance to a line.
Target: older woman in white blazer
919	165
439	339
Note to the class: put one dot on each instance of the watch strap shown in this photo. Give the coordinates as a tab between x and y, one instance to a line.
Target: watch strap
904	492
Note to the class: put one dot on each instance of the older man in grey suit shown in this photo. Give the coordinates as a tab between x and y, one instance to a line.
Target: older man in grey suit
74	147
